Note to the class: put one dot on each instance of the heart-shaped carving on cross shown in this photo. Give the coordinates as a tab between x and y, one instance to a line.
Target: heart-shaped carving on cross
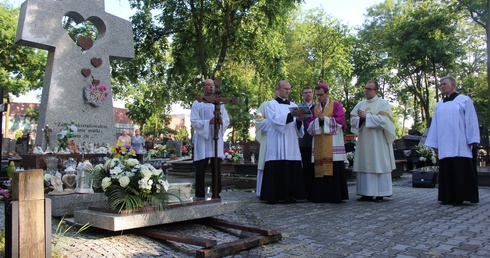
95	82
86	72
85	43
96	62
83	32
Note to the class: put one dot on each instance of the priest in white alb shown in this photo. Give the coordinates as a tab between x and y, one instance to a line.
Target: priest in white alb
374	160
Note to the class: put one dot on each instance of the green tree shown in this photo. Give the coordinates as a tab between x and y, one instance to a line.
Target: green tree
21	67
182	135
209	39
418	39
478	10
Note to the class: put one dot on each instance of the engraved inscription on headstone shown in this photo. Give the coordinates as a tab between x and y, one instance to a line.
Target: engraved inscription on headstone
77	84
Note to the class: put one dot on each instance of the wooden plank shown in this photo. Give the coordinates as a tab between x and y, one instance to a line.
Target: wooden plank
31	229
237	246
28	185
248	228
163	235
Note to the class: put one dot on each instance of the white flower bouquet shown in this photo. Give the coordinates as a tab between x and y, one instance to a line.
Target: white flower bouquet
129	185
427	155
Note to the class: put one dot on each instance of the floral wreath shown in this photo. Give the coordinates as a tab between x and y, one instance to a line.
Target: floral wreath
96	94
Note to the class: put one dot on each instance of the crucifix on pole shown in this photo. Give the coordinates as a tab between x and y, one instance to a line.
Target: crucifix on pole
217	100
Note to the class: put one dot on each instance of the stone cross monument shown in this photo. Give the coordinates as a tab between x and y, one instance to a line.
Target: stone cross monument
77	84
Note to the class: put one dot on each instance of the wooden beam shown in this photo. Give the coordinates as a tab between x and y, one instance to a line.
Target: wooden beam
237	246
248	228
163	235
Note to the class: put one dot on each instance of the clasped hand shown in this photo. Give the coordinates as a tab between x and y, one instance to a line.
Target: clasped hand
361	114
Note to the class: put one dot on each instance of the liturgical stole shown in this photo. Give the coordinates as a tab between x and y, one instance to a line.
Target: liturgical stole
323	145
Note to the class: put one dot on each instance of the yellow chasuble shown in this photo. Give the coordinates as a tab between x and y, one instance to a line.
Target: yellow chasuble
323	151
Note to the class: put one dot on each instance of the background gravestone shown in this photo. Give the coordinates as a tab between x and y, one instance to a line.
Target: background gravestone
74	66
177	145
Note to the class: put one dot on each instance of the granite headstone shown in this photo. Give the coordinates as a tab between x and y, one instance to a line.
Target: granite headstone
72	67
177	145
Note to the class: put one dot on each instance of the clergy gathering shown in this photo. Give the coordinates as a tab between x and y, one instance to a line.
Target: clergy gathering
303	152
233	128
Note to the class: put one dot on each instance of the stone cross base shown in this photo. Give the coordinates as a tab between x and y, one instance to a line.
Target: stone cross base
117	222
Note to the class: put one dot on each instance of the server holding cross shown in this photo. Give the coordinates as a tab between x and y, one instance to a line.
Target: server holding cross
210	121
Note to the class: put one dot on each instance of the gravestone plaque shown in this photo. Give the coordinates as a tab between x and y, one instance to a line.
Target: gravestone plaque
249	147
177	145
77	84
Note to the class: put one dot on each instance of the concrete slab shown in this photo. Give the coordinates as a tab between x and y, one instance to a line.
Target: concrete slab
117	222
65	205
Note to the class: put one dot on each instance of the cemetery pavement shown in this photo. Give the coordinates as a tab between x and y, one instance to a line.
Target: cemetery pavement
409	224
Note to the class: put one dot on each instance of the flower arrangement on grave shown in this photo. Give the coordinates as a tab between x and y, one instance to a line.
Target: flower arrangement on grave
187	149
96	94
158	150
427	155
66	134
123	152
130	185
171	150
5	189
350	157
184	151
233	153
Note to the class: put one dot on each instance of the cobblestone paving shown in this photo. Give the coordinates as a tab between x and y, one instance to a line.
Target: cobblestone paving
409	224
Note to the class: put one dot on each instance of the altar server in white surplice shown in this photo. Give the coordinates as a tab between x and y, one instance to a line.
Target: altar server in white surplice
283	177
374	159
454	134
202	120
261	137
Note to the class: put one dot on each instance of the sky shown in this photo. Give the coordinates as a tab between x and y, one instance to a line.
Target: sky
350	12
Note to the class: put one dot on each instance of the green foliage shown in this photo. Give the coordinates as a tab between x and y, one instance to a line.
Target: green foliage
425	44
62	228
65	134
21	68
182	135
18	134
123	198
32	113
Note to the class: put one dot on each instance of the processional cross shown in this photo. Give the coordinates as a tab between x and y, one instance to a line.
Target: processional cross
217	100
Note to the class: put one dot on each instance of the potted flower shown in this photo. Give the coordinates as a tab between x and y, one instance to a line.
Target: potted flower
130	186
427	155
159	151
350	158
233	153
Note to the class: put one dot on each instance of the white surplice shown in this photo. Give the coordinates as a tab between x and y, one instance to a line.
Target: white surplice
281	135
453	128
374	158
261	137
201	113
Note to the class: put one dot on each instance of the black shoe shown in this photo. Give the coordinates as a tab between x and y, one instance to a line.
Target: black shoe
378	199
365	199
